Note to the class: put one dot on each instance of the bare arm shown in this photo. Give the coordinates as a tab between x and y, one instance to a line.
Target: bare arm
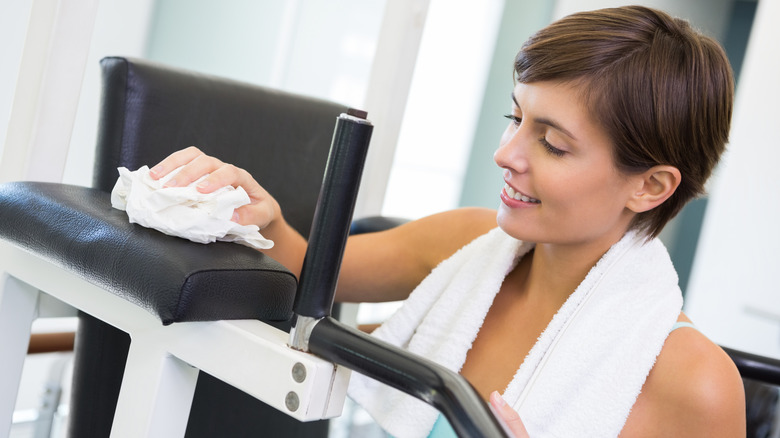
376	267
386	266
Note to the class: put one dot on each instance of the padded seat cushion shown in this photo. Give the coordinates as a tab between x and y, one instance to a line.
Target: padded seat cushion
175	279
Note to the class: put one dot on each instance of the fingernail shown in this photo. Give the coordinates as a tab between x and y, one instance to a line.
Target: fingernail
498	399
203	184
170	183
156	170
235	217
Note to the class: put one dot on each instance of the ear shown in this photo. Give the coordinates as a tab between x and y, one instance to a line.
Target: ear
654	186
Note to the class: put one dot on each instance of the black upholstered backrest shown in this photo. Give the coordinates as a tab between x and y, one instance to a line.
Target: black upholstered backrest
149	110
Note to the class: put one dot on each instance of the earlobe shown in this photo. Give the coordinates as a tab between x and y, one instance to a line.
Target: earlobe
656	185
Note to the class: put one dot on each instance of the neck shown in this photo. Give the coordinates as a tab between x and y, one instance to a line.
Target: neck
555	270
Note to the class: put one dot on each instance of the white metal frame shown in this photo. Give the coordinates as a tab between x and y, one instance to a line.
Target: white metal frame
47	90
163	361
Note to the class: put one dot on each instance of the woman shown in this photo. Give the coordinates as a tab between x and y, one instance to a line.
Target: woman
618	118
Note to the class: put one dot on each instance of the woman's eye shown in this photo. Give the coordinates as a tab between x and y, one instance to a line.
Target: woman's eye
515	120
550	148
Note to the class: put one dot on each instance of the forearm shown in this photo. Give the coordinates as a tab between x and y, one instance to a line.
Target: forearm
289	246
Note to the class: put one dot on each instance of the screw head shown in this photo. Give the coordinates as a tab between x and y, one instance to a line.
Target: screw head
291	401
299	372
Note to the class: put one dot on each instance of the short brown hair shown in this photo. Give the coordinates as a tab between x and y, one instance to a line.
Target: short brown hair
663	91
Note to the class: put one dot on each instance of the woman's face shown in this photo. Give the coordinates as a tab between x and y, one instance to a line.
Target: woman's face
561	184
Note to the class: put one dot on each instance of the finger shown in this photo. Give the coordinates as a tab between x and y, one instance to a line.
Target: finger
200	166
262	207
508	415
174	161
223	175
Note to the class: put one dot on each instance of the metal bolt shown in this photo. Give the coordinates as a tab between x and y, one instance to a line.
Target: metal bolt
299	372
291	401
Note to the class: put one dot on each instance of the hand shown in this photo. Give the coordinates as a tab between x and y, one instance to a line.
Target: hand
261	210
508	415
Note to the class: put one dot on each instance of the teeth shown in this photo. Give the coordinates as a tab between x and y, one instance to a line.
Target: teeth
517	196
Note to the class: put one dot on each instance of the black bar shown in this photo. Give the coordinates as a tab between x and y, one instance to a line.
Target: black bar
333	215
426	380
445	390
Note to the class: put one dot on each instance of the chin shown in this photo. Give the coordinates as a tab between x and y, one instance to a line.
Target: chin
513	227
530	230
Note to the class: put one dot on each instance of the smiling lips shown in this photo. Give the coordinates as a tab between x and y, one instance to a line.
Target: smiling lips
518	196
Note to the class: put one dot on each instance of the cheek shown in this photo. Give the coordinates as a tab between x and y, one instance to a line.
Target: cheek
580	190
559	183
604	197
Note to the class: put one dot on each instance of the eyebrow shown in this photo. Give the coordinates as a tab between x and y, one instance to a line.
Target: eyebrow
549	122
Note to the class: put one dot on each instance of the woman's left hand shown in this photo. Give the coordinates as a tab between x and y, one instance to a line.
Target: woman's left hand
508	415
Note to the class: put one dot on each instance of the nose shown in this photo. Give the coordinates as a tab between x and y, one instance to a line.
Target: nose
512	150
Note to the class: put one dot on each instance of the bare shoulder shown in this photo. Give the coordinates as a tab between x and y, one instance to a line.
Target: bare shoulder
694	389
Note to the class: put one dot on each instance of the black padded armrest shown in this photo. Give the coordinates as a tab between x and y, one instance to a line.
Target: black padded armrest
752	366
77	228
372	224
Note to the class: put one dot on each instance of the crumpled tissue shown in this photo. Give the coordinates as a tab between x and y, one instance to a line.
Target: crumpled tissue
184	211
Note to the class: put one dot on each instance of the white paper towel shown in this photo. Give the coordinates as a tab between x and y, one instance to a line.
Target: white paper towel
184	211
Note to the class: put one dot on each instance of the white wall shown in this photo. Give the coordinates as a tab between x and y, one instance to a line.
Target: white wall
443	109
235	38
13	26
321	49
120	30
734	294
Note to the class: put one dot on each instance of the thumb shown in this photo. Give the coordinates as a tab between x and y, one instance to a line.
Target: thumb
508	415
260	214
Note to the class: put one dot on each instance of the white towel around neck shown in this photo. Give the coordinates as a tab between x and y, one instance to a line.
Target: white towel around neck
585	371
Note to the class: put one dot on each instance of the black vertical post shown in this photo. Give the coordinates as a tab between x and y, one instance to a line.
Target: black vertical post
313	328
333	215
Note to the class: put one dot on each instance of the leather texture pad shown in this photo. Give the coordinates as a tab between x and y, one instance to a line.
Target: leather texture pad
175	279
